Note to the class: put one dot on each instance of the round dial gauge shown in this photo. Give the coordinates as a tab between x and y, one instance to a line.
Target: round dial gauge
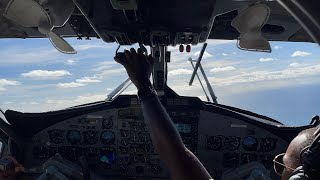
56	136
90	137
268	144
214	143
107	123
231	143
74	137
107	137
250	143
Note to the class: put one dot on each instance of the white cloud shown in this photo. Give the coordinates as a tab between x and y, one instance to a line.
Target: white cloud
58	104
222	69
300	54
224	54
216	42
33	103
205	54
277	47
112	72
71	61
266	59
70	85
104	65
95	45
93	79
294	64
256	76
80	82
5	82
45	74
179	72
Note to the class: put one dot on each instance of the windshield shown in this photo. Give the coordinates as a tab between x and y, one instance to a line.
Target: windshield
283	85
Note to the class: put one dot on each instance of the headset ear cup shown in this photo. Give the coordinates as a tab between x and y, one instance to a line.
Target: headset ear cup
298	174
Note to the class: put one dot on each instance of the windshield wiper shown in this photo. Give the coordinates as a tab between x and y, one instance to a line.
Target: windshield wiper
116	92
195	68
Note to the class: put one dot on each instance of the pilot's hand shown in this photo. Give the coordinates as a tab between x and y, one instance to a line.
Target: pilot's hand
11	173
138	66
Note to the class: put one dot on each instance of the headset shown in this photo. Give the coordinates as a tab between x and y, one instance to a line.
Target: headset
309	160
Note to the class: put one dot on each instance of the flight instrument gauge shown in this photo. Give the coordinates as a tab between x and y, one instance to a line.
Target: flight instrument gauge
250	143
107	156
268	144
107	137
90	137
107	123
56	136
231	143
74	137
214	143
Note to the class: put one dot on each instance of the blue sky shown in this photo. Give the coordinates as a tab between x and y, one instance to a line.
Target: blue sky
284	84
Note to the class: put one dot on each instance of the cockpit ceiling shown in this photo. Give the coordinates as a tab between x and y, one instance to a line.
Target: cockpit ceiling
165	22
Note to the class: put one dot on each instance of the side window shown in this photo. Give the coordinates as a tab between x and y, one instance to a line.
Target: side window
1	148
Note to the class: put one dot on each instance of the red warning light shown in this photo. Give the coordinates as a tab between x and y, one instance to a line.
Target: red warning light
188	48
181	48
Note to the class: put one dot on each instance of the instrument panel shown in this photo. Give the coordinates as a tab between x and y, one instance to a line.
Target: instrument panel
116	142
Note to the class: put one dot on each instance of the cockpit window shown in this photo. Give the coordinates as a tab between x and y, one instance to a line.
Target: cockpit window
283	85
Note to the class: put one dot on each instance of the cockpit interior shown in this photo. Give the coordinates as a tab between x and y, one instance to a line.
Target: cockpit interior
109	139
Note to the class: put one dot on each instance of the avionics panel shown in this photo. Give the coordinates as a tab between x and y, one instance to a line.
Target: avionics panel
226	143
116	141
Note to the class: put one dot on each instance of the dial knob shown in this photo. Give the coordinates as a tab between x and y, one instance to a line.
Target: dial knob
135	159
123	168
155	168
124	142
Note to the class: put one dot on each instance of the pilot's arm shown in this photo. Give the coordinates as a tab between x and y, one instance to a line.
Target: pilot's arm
12	172
182	163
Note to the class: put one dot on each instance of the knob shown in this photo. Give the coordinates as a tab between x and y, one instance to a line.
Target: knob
134	149
123	150
155	169
123	168
124	142
145	159
135	158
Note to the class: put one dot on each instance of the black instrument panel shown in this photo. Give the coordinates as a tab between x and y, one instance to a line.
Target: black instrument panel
116	142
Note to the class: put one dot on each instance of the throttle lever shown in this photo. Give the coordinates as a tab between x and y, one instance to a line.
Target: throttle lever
120	55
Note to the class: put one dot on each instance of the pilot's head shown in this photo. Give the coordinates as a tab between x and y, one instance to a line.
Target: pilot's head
286	163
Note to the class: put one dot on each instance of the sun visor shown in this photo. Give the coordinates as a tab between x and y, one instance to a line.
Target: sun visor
249	23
